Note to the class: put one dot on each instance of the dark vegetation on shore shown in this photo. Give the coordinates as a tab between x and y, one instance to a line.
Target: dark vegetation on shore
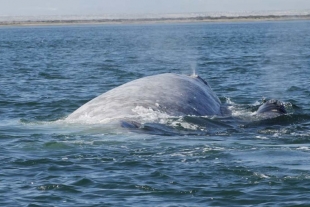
163	20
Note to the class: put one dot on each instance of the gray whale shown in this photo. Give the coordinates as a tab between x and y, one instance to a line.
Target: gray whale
169	94
149	98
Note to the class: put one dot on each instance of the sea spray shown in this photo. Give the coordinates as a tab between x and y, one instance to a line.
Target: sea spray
194	69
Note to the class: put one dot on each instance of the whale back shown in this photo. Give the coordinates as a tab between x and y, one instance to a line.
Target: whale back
169	94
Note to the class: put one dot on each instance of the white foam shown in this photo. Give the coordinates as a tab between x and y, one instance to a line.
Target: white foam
185	125
261	137
150	115
303	148
261	175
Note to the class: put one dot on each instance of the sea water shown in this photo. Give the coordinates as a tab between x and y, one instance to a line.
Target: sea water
47	72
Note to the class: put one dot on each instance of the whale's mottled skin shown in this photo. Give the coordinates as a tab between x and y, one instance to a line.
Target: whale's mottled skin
171	94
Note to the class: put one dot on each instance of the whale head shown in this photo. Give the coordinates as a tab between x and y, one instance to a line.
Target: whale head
272	108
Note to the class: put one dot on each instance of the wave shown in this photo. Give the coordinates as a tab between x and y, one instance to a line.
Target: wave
150	121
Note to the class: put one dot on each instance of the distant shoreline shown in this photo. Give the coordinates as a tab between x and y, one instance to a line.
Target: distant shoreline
156	20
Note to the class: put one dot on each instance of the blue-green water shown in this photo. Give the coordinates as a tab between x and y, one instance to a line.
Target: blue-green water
49	71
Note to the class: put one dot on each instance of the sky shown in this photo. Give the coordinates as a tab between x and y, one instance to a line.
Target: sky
103	7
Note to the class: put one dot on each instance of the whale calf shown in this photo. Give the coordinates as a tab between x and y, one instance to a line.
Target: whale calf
168	94
271	108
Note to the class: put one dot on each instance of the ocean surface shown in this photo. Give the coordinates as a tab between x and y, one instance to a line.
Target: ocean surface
47	72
